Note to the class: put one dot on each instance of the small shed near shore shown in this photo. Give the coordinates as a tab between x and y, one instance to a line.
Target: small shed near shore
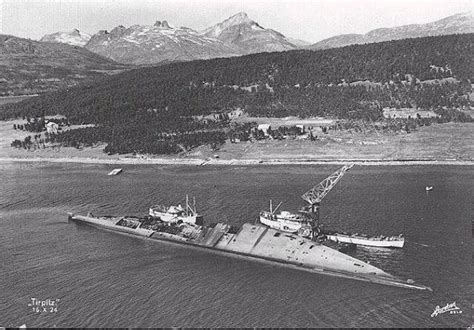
264	128
52	127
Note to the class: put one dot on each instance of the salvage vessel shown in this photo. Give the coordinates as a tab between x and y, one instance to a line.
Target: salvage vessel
177	213
284	221
306	222
251	241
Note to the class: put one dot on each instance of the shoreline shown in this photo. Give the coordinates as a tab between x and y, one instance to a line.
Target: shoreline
237	162
447	144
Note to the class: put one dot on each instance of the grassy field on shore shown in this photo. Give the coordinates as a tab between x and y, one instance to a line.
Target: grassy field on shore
441	142
451	141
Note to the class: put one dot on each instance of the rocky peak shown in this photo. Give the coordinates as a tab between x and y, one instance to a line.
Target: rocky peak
239	18
233	21
242	16
162	24
246	34
118	30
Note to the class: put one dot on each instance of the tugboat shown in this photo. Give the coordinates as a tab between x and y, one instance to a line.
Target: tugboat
284	221
177	214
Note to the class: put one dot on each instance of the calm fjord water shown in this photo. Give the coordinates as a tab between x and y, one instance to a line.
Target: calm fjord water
106	279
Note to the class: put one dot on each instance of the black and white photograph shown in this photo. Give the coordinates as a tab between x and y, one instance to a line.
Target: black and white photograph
236	163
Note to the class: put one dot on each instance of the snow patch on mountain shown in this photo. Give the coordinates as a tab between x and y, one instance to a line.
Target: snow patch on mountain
153	44
74	38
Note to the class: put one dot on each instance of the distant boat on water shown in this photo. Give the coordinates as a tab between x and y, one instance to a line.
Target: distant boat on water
115	171
429	188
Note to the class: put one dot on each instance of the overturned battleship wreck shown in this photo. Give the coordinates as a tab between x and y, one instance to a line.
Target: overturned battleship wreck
251	241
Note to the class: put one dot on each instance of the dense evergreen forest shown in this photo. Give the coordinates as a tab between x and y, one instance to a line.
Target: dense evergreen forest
353	82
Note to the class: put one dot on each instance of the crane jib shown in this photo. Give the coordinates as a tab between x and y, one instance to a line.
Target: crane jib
318	192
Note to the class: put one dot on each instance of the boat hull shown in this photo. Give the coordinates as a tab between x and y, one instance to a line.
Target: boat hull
286	226
367	242
115	171
167	217
268	245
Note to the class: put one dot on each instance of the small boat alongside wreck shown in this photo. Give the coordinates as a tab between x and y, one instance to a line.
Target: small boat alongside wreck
364	240
175	214
284	221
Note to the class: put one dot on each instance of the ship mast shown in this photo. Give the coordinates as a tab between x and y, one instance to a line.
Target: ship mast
187	206
315	195
273	211
190	210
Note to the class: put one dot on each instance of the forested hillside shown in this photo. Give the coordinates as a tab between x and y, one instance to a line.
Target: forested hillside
150	109
354	81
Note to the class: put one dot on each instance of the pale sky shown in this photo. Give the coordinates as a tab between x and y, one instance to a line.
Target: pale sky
310	20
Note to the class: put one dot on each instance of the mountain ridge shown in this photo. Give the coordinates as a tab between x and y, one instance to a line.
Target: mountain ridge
160	43
29	66
145	44
454	24
352	82
235	36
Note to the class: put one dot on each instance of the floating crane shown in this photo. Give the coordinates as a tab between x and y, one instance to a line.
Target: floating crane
315	195
306	223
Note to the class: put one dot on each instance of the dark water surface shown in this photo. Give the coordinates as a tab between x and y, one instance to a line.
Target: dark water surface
106	279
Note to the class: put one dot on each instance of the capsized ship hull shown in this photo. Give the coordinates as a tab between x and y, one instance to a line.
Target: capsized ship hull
261	243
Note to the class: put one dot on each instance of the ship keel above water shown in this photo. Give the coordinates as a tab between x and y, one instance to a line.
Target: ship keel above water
261	243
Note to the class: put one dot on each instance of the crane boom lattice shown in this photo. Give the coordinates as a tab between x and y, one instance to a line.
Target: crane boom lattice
318	192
